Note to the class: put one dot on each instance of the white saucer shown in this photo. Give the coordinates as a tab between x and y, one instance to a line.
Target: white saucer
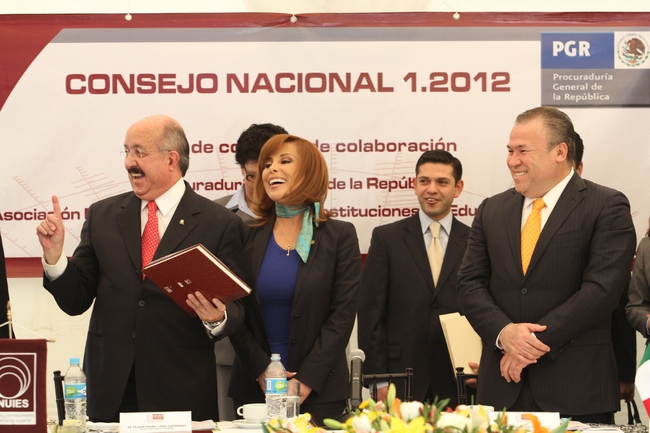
105	427
242	423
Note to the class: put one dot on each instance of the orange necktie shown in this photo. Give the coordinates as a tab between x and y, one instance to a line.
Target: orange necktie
150	236
530	233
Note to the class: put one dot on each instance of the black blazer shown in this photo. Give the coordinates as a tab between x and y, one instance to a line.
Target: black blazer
323	312
638	306
399	318
4	293
579	268
135	323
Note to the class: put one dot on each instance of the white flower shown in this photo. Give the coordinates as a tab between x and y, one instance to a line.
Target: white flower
410	410
479	417
361	423
448	419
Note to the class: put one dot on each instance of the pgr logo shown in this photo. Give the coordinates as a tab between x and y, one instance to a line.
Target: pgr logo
633	50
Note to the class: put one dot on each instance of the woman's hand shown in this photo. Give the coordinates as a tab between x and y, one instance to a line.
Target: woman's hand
305	389
261	380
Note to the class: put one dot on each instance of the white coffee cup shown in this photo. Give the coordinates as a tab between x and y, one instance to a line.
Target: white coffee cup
254	412
474	409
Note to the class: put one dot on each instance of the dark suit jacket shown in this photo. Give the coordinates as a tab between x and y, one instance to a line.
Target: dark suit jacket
639	305
323	312
4	293
135	323
624	341
399	317
574	281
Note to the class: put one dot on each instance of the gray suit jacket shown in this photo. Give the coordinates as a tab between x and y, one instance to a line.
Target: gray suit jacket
399	318
639	306
135	323
574	281
223	201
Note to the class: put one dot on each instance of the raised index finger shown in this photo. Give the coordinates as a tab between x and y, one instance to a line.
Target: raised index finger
56	207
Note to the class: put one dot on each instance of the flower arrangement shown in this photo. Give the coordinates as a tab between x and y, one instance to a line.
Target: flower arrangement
394	416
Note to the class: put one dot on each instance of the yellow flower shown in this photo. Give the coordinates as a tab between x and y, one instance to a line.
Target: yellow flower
302	424
392	416
416	425
397	425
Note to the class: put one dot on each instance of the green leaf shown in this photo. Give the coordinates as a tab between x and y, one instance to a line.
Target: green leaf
390	397
331	423
562	427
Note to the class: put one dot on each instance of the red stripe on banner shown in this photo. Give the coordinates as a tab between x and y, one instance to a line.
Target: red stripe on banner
23	37
24	267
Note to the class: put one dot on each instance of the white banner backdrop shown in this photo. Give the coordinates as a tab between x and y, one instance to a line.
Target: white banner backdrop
372	100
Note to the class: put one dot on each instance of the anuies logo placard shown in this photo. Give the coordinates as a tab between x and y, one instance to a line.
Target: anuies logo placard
632	49
16	383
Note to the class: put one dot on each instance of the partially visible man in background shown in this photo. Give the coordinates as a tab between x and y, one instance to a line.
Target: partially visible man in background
623	335
247	152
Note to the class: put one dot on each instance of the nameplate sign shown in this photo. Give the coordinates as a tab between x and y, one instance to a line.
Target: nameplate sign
154	422
550	420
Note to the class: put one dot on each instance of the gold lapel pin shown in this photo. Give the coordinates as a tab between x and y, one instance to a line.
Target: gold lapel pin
182	222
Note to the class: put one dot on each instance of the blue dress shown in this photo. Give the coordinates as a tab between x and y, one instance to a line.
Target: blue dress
276	285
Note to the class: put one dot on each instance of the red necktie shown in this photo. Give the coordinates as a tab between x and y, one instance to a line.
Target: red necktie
150	236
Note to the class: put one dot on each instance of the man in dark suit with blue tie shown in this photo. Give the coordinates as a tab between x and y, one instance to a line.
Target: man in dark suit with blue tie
542	303
402	293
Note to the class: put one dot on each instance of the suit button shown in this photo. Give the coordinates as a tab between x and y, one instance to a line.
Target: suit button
524	291
434	306
294	342
296	316
141	303
133	335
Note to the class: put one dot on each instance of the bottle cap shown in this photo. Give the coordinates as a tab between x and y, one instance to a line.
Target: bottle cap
74	361
275	357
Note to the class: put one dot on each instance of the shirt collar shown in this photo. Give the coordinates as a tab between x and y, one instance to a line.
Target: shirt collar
170	198
238	199
425	222
551	198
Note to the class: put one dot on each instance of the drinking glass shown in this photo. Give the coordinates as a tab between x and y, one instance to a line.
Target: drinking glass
293	399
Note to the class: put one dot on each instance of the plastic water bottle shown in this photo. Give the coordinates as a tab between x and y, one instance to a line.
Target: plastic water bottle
75	393
276	389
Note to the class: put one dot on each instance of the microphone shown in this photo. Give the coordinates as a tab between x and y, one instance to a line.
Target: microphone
356	377
60	399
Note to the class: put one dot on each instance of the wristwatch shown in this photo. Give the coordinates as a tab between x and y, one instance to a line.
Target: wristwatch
212	325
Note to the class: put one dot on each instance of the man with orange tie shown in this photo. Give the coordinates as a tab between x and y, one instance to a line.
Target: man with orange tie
144	352
544	269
